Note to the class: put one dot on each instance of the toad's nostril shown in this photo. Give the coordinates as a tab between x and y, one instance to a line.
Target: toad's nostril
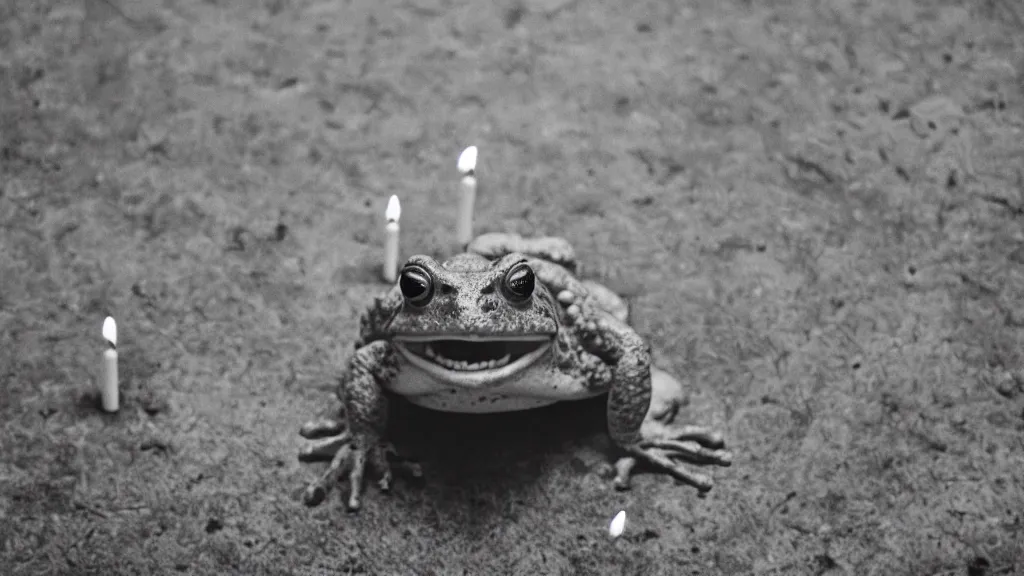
447	288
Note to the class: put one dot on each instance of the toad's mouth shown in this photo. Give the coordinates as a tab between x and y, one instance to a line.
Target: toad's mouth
473	359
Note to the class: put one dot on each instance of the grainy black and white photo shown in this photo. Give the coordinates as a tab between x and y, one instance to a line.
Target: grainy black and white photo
523	287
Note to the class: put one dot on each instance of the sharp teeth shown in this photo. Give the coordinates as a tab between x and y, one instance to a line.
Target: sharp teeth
430	352
502	361
489	364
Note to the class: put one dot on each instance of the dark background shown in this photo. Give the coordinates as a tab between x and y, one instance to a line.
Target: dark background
816	209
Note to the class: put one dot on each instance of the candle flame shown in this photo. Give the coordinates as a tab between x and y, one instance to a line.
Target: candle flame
394	210
618	524
467	160
110	330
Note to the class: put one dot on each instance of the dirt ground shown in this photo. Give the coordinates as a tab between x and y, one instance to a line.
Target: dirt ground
816	209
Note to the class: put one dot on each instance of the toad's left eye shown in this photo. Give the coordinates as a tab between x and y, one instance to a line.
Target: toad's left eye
416	285
519	283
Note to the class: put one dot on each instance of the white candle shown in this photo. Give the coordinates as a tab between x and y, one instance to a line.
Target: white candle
392	213
108	382
618	524
467	195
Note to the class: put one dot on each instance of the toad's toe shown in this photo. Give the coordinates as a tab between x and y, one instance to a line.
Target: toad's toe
323	449
321	427
314	495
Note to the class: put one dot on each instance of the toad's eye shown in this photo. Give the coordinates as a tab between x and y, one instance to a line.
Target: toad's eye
416	285
519	283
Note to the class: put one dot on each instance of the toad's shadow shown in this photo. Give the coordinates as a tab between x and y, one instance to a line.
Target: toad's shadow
499	451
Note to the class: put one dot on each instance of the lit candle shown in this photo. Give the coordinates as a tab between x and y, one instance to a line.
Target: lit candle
618	524
467	167
108	382
393	212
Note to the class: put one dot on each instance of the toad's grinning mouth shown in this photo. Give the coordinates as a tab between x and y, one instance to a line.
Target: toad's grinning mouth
473	359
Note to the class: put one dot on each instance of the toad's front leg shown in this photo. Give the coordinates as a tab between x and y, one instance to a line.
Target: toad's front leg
362	442
628	403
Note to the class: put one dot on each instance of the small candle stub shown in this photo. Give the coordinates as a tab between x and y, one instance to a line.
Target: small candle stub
392	213
109	389
467	195
618	524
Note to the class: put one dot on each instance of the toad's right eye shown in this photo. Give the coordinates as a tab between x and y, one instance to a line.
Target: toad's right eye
416	285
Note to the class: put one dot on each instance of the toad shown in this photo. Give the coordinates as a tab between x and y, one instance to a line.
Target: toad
505	326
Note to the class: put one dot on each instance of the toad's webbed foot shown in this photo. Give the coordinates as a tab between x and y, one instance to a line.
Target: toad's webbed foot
349	454
692	443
